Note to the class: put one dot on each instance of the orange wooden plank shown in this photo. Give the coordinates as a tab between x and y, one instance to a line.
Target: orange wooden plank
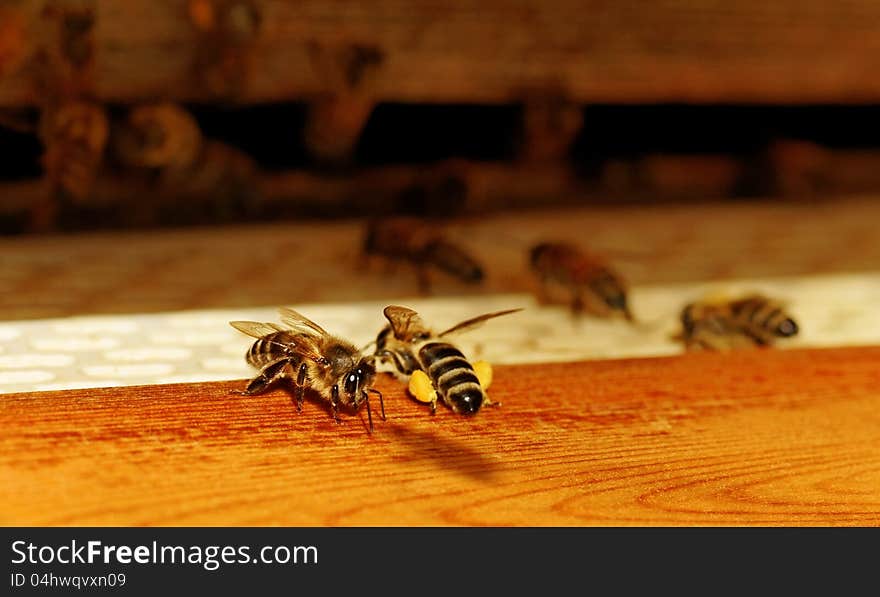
754	438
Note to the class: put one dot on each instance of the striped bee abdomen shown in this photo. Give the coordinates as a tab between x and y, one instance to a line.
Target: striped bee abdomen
762	316
453	377
269	349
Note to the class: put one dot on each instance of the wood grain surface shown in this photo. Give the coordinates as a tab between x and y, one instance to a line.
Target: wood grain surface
301	262
786	437
462	51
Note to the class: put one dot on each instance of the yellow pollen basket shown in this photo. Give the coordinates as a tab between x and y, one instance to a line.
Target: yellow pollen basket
421	388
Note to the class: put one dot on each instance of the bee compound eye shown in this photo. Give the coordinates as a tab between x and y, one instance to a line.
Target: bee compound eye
351	383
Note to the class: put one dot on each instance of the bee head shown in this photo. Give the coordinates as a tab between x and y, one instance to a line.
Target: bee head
472	274
358	379
786	328
537	253
617	302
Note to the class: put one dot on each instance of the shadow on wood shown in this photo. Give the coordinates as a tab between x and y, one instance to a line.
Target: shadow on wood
756	437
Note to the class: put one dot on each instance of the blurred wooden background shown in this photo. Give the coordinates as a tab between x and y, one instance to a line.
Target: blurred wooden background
456	51
108	99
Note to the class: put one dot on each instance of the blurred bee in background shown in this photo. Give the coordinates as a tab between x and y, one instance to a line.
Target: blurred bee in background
436	368
52	45
725	324
161	136
164	141
74	136
312	358
419	243
226	31
595	287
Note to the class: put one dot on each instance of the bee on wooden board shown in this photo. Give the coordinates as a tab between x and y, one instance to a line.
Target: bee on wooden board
725	324
313	359
595	287
422	245
436	368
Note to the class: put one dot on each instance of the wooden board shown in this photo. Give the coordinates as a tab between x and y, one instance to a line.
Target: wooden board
753	438
461	51
306	262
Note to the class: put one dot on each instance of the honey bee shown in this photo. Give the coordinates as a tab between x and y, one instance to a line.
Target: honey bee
75	134
722	324
596	288
312	358
164	143
161	136
419	243
436	368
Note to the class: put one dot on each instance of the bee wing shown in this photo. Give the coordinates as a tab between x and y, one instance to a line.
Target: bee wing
476	321
255	329
300	322
307	346
405	323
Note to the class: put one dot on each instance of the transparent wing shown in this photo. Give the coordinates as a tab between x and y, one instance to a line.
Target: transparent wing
476	321
406	324
255	329
308	346
305	344
299	322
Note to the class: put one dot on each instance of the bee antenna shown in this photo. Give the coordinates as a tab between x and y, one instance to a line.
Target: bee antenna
364	349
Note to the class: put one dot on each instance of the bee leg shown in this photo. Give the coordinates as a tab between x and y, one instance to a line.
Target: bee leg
758	337
487	402
590	302
422	389
300	387
268	376
334	403
369	411
708	341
